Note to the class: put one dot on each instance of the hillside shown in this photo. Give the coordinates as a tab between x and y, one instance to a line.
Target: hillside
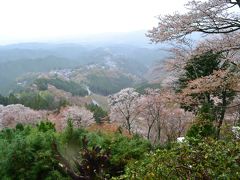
21	59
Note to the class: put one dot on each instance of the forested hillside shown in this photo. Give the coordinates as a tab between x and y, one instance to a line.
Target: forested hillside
20	59
127	110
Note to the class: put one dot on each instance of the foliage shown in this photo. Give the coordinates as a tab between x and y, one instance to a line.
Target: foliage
42	153
124	108
203	125
26	153
35	100
98	112
210	17
42	84
45	126
217	80
142	87
105	84
121	149
205	159
68	86
11	115
80	116
200	67
162	118
3	100
91	163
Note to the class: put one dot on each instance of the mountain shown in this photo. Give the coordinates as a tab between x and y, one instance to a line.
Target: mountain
128	53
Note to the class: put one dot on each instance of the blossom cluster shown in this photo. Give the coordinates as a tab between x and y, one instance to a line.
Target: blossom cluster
13	114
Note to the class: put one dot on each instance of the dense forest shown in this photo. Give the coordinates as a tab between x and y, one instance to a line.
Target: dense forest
68	86
36	100
106	85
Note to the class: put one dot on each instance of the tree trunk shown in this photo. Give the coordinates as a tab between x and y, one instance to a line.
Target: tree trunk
222	114
148	133
128	125
158	131
149	129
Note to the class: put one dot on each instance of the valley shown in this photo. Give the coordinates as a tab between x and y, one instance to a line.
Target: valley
85	94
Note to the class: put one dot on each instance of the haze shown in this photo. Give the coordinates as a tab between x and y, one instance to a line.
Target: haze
41	20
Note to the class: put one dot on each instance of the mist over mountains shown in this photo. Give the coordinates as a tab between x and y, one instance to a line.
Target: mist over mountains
126	53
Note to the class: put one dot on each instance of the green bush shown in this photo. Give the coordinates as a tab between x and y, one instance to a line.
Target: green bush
203	126
98	112
206	159
26	153
122	149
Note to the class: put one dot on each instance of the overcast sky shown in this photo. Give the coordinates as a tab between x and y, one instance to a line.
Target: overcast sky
33	20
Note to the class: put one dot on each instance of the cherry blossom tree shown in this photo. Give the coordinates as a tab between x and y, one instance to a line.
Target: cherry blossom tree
162	117
11	115
207	80
153	105
212	16
219	19
151	110
80	116
176	122
124	108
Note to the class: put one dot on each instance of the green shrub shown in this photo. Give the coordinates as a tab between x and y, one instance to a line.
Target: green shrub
28	152
25	153
203	126
122	149
206	159
98	112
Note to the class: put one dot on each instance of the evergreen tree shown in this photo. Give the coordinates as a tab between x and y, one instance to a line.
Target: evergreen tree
203	66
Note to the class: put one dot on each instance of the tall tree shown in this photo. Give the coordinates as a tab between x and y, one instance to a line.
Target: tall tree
212	16
124	108
151	108
216	99
163	119
218	19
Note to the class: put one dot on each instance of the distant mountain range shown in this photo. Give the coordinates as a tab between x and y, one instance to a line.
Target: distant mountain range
130	53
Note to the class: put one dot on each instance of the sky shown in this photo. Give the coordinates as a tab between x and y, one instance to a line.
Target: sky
38	20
